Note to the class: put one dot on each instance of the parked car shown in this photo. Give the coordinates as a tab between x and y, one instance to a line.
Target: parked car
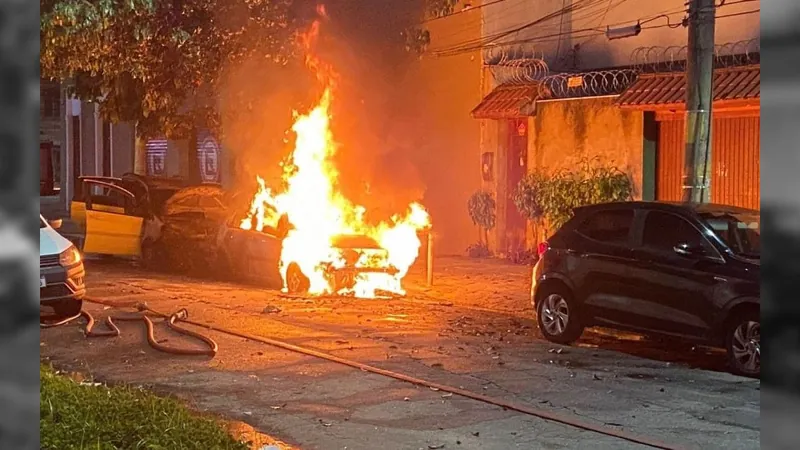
61	272
682	270
129	216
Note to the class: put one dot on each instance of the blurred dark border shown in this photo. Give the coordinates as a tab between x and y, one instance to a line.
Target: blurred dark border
19	161
780	194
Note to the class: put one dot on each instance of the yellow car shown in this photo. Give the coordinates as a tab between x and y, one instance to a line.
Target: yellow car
118	215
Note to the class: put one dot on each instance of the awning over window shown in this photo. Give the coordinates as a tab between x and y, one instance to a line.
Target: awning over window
507	102
668	90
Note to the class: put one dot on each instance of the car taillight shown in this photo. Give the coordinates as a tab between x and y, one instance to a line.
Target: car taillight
542	247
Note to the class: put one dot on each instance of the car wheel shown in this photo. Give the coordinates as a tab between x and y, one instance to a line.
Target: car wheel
296	281
743	343
557	316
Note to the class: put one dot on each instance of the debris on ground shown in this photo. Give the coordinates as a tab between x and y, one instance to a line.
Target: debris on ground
271	309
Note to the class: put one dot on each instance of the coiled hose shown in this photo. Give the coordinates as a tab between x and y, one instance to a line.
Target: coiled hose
142	315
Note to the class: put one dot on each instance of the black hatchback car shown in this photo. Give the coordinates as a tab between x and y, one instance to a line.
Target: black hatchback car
686	270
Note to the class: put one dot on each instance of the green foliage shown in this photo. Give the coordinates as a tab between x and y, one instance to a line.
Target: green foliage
481	207
550	199
158	63
75	416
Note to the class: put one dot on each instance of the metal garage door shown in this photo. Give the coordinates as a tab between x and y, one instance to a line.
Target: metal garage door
735	169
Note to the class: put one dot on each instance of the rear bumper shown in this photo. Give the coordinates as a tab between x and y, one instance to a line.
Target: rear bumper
62	283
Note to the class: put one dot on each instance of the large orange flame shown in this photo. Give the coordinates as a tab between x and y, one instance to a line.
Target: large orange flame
318	213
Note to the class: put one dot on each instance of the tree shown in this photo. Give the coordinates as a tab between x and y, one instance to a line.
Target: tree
481	207
159	63
418	37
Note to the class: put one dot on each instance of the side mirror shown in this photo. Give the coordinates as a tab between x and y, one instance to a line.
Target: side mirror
56	223
685	249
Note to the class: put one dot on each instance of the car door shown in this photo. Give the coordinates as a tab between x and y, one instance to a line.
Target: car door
676	289
93	189
600	263
113	228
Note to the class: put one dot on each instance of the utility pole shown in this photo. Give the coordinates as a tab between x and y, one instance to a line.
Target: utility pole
699	78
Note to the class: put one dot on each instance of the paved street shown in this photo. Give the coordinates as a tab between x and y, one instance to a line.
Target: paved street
474	329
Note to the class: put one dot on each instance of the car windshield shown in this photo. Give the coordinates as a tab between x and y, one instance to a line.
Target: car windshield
741	231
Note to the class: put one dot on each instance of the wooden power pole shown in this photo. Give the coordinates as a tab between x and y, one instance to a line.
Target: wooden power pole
699	78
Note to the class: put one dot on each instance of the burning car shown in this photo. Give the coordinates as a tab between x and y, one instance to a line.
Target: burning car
353	258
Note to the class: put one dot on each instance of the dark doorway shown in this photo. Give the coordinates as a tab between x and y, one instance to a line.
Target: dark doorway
517	167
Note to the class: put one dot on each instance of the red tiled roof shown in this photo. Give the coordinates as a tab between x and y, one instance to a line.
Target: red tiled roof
661	89
507	102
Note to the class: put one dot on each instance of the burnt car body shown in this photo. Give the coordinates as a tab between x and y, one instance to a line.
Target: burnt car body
254	256
189	220
681	270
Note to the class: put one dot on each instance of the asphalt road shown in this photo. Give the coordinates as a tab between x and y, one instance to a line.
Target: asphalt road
473	329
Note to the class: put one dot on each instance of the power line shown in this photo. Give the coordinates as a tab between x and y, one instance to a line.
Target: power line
592	31
462	11
580	5
485	40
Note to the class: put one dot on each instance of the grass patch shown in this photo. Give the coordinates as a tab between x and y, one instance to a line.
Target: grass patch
84	416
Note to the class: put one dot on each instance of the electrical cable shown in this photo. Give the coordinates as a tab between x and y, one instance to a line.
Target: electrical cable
585	30
485	40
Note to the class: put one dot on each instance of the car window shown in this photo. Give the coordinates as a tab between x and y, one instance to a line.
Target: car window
608	226
664	231
739	231
107	196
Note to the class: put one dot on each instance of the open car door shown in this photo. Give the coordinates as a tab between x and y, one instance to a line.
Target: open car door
93	189
114	229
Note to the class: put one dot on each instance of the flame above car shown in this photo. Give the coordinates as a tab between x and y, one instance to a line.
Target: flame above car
319	215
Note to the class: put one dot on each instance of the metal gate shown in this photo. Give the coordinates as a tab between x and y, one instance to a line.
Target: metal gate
735	167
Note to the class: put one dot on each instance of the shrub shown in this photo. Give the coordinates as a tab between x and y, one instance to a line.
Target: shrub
548	200
482	211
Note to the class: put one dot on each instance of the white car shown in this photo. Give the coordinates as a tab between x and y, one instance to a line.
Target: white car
61	272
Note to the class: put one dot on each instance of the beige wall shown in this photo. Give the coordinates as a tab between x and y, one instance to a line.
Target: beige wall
563	133
447	145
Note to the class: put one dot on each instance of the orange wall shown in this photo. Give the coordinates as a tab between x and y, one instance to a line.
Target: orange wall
447	144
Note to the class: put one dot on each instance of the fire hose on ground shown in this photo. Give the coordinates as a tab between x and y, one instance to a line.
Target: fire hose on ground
182	316
171	319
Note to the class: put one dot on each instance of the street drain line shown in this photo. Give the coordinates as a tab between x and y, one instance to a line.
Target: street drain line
542	414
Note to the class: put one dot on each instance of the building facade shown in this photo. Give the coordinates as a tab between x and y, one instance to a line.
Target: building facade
75	141
557	91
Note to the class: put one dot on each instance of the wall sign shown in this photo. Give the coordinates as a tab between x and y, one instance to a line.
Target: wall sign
574	82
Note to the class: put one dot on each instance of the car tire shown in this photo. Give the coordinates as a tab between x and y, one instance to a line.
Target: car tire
297	283
743	344
557	316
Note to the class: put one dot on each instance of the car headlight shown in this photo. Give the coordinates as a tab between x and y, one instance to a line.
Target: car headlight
69	257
